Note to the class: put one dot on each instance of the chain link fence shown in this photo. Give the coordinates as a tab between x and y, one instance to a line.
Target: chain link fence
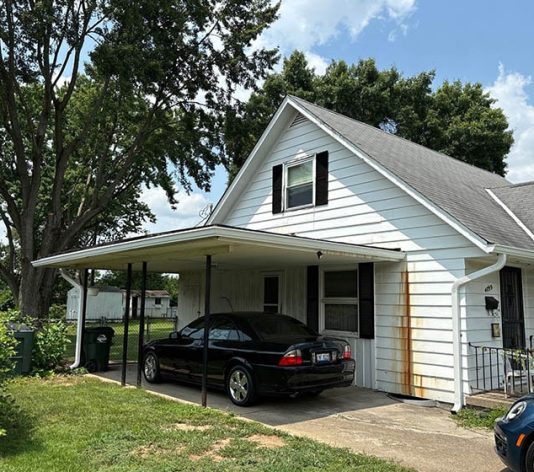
155	328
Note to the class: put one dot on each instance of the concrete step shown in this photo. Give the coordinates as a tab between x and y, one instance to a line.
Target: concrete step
489	400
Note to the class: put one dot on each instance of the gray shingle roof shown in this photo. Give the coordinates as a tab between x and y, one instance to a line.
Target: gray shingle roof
452	185
520	199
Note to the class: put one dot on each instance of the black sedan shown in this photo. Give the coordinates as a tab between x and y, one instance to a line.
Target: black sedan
251	355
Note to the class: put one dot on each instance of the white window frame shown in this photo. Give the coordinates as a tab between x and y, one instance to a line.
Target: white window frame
281	293
294	163
338	301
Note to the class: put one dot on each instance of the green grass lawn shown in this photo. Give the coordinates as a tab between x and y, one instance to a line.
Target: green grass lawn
160	328
77	423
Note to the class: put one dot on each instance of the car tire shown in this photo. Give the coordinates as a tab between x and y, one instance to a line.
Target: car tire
529	458
240	386
151	367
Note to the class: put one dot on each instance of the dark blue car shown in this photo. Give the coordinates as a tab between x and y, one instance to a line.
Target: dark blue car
514	435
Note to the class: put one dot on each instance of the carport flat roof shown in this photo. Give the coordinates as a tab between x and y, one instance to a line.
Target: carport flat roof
185	250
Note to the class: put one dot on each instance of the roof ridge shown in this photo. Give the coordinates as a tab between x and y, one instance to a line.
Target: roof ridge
441	154
512	185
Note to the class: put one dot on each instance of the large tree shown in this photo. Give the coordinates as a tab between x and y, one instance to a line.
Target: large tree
459	119
100	97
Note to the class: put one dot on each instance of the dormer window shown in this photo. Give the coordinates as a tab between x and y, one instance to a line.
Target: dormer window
299	184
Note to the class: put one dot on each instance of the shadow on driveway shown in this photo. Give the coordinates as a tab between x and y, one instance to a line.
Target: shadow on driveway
275	411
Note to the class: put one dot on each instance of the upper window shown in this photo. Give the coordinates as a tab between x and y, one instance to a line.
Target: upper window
299	184
157	301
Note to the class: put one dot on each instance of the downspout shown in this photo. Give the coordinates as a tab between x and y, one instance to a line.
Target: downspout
457	326
79	327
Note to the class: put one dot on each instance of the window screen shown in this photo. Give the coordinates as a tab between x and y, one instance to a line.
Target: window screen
341	317
299	184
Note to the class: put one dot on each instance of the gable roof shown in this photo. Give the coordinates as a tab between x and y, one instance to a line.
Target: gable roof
454	190
454	186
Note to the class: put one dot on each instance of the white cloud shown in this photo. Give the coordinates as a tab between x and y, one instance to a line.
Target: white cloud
303	24
510	91
185	215
317	62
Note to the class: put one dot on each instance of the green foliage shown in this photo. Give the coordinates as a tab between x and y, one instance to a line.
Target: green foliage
8	345
6	300
58	312
476	418
155	281
146	88
458	119
50	346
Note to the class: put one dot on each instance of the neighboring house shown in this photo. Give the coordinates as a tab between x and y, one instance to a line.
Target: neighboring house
102	302
157	303
109	303
365	236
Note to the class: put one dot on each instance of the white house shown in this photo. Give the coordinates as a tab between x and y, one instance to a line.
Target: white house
401	250
157	303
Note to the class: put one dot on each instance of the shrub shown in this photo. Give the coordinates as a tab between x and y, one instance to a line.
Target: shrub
57	312
6	300
50	346
8	344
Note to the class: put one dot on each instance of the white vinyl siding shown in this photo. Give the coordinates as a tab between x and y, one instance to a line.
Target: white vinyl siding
241	290
366	208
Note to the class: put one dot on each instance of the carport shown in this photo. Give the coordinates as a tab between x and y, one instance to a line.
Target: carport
199	249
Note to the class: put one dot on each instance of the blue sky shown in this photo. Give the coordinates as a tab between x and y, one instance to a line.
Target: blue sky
478	41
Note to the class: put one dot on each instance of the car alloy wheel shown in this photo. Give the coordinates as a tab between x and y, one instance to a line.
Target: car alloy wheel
240	386
151	367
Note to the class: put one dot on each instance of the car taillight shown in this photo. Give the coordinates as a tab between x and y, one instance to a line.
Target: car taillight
347	352
291	358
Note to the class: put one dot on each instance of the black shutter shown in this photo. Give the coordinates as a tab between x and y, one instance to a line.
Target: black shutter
321	178
277	188
312	298
366	299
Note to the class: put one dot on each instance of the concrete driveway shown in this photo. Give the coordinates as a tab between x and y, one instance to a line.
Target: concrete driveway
364	421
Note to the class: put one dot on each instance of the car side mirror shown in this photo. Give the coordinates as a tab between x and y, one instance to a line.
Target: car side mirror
175	335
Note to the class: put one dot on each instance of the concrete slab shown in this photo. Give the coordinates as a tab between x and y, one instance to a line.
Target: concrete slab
362	420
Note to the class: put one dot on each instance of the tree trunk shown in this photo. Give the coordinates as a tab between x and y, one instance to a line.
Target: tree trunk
36	288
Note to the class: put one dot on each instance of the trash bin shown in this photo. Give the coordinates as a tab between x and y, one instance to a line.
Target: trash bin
23	351
96	345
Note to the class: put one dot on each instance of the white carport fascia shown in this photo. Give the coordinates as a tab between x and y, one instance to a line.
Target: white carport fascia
222	234
526	255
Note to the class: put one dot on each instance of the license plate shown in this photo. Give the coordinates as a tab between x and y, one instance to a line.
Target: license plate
322	357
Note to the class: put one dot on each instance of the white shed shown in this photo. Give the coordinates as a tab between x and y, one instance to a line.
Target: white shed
102	302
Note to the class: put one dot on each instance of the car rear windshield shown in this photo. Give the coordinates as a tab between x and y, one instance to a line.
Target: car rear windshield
275	327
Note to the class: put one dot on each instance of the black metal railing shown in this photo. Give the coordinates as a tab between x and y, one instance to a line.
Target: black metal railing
501	368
